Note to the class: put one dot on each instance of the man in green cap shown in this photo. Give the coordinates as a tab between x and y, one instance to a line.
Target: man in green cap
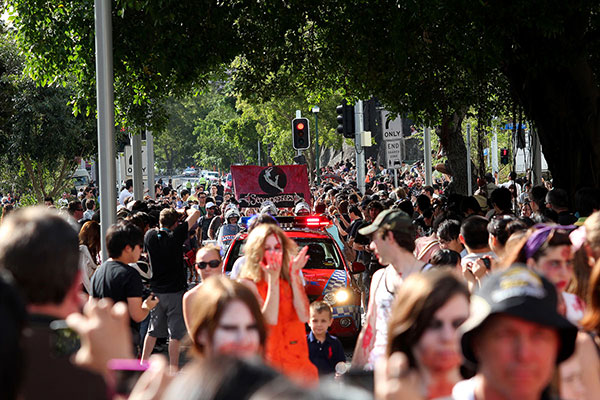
392	236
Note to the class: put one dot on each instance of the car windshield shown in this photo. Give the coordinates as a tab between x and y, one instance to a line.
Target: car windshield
323	254
80	180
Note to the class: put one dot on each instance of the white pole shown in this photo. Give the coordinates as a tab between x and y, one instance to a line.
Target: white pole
150	163
360	151
537	158
427	151
258	141
106	119
136	154
469	183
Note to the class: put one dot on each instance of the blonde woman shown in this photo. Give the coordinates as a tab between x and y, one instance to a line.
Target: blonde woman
274	276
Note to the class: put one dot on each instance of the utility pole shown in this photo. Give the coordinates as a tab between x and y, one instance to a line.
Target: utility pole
360	152
106	119
427	151
150	163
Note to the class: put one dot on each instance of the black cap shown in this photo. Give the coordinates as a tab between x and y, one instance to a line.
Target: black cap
519	292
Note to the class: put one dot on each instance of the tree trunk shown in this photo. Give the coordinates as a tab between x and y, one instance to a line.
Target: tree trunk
563	104
561	98
450	134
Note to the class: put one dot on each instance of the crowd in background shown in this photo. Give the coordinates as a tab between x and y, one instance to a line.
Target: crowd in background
490	296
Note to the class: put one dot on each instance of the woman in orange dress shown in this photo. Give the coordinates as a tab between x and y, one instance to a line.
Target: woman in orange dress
274	276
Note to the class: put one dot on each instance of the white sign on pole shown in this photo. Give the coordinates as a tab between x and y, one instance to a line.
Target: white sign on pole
392	128
393	154
129	161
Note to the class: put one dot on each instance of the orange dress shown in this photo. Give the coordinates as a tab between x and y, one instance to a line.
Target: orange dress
286	346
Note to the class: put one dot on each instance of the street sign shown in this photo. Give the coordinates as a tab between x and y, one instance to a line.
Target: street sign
392	128
129	161
393	154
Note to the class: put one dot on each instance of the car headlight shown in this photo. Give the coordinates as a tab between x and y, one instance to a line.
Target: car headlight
341	296
329	298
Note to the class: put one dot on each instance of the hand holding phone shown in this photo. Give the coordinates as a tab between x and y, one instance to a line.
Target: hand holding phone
105	334
150	302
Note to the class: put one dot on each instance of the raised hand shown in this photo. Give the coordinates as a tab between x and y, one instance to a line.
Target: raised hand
299	261
271	262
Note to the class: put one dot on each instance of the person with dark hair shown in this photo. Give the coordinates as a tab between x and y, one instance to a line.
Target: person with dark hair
48	201
169	281
547	250
185	194
537	196
445	258
39	248
75	210
116	280
13	318
470	206
393	242
499	229
587	201
448	233
126	192
558	200
406	206
474	236
501	201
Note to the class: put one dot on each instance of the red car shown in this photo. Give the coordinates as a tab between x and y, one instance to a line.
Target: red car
328	276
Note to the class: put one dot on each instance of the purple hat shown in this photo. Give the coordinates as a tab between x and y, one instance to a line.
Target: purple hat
539	237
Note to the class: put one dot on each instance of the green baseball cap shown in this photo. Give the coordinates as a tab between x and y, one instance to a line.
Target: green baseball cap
395	220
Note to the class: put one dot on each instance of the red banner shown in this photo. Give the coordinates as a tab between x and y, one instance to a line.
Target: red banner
284	185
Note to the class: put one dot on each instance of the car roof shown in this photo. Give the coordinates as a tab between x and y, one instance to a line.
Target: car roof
300	234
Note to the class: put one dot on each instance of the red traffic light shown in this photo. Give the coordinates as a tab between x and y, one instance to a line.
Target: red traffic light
300	126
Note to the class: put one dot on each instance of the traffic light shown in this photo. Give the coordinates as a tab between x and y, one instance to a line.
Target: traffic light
504	156
345	120
300	134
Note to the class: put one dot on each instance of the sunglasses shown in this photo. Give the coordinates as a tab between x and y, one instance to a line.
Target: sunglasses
212	263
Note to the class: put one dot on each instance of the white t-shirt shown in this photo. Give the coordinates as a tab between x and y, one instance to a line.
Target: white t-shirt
464	390
575	307
472	257
123	195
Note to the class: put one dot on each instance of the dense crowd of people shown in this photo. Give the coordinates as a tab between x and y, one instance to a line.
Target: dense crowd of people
489	296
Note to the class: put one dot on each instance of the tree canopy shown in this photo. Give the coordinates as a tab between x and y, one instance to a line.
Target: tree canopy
431	59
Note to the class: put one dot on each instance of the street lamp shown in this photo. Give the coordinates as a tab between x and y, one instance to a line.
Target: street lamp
315	110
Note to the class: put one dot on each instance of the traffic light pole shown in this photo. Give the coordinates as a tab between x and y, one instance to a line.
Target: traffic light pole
494	149
317	148
360	153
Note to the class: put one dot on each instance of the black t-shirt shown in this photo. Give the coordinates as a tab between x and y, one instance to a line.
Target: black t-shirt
204	223
165	251
117	281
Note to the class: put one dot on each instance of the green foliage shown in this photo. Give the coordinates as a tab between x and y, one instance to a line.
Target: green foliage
40	137
160	48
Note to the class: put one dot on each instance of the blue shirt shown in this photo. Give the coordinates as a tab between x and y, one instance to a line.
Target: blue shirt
325	355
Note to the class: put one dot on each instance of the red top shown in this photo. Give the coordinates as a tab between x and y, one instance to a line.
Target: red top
286	346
